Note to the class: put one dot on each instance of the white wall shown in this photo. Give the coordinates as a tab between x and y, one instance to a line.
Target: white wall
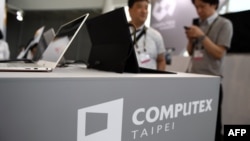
235	5
61	4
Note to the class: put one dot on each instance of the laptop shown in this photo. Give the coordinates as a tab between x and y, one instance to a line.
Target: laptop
112	48
55	50
46	38
32	43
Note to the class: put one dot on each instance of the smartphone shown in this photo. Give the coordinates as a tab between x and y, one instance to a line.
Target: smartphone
186	27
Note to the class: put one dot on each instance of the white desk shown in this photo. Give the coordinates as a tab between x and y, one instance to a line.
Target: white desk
98	105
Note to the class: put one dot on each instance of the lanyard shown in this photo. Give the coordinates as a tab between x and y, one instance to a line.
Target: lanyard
143	32
210	27
136	38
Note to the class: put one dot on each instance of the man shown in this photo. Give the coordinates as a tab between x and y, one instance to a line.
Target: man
208	40
148	42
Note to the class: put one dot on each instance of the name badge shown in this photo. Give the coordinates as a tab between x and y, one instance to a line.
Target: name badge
198	54
144	58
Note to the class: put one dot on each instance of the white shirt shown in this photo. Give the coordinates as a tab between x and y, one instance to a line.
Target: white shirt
148	47
4	50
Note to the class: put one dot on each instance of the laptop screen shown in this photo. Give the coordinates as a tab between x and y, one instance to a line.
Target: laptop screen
112	48
111	42
64	36
46	38
33	42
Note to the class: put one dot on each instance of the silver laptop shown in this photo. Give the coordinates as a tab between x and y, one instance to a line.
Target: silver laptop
35	40
55	50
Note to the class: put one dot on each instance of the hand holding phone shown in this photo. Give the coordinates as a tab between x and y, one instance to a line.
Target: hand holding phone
186	27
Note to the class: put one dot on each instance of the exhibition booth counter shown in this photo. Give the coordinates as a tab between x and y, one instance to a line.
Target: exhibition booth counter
79	104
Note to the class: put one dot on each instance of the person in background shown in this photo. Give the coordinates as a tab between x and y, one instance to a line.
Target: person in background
148	42
4	48
209	38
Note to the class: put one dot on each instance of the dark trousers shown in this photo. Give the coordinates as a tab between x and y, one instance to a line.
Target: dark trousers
218	135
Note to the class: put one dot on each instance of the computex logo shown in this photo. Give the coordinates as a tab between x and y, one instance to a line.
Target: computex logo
101	122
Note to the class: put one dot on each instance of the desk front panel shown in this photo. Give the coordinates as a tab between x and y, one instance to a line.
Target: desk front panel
113	109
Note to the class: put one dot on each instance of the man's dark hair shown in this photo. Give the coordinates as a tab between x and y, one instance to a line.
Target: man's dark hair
131	2
211	2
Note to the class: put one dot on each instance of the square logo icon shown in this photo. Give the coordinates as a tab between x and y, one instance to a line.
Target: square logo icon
102	121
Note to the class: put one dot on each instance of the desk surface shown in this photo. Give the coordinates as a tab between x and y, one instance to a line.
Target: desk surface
81	71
